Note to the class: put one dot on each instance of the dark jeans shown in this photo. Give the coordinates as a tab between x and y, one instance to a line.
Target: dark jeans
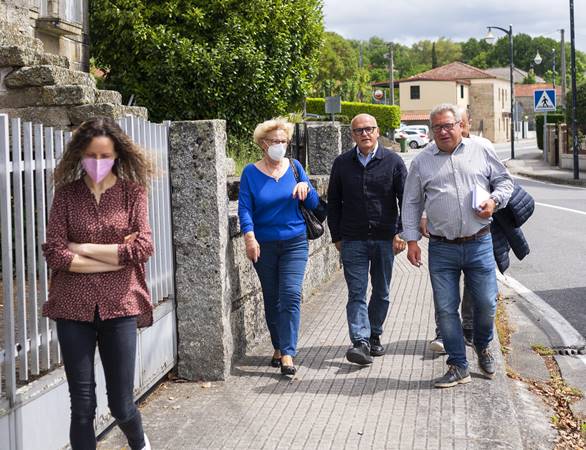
466	312
280	269
447	261
116	340
359	258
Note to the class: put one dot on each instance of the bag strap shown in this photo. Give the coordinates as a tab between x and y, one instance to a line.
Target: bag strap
294	169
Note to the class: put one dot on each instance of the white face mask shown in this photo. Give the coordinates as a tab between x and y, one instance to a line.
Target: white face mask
277	152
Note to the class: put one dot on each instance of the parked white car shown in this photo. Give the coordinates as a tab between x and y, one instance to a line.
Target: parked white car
415	138
422	128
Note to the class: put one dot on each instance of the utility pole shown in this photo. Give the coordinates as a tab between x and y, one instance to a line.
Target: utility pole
574	96
563	70
391	73
553	65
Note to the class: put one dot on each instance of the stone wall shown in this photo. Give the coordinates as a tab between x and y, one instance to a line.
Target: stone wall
220	313
40	87
247	318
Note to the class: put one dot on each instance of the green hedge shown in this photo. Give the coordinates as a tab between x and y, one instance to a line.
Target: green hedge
388	117
551	118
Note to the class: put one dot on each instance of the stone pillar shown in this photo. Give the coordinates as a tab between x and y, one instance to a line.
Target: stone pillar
197	152
346	136
324	144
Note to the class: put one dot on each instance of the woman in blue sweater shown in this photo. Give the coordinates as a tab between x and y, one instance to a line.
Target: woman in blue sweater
275	234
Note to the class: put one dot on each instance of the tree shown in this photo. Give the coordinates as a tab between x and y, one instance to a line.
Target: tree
338	63
196	59
580	107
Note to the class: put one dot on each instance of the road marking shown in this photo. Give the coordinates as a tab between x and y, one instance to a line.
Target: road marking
561	208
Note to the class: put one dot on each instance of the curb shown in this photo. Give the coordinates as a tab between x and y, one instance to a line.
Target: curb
548	178
557	326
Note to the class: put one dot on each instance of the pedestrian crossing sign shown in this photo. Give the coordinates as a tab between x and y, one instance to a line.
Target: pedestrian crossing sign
544	100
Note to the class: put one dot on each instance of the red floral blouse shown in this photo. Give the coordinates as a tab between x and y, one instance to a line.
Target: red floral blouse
77	217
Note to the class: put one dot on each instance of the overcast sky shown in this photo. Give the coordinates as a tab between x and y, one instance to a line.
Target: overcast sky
409	21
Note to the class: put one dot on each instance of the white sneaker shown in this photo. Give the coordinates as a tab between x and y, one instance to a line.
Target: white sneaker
437	345
147	444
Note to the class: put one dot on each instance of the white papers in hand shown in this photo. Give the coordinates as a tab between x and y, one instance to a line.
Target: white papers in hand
479	195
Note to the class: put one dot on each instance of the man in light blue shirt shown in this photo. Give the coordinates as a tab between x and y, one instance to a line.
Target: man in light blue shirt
441	181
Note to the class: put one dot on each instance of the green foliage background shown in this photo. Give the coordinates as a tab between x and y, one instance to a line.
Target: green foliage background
243	61
342	74
580	107
388	117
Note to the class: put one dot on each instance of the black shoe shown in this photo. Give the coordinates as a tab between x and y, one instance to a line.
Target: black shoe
486	363
288	370
359	354
468	336
455	375
376	349
275	362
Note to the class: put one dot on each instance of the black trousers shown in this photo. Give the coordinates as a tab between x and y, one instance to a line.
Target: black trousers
116	340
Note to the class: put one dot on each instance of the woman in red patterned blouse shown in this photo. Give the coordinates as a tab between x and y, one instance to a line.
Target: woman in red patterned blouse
98	239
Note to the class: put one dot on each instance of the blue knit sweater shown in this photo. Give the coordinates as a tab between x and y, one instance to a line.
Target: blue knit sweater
268	208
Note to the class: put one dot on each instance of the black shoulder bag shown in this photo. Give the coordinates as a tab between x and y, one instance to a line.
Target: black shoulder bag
314	218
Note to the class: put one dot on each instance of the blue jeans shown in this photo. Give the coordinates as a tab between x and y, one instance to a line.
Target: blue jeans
116	340
358	257
280	269
447	261
467	311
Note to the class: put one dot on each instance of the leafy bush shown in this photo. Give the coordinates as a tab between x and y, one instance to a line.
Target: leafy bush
388	117
551	118
228	59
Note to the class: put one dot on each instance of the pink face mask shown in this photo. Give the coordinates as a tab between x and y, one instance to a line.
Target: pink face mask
97	169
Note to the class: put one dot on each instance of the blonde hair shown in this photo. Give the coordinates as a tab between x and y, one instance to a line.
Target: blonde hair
264	128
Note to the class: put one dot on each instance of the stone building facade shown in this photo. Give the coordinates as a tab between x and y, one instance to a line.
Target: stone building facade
482	93
61	25
41	83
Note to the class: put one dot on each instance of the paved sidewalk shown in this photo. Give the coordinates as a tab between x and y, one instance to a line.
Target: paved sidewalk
332	404
531	165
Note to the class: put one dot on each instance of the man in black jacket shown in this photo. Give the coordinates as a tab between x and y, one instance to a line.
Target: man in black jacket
364	201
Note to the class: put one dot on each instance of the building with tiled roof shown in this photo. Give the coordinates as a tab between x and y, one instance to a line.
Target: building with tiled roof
486	96
518	74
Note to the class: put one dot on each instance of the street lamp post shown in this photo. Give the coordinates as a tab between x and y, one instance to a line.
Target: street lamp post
490	38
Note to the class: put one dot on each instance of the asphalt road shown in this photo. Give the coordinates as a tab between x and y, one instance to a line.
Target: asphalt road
555	269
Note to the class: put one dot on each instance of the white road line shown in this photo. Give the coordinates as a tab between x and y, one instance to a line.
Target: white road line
561	208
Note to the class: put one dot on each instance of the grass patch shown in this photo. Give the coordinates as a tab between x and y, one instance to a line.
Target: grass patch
243	151
542	350
503	327
554	392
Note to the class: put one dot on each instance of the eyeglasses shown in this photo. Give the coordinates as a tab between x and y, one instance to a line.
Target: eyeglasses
276	141
444	127
367	130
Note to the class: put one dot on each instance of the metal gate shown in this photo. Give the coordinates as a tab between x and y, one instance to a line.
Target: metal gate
34	400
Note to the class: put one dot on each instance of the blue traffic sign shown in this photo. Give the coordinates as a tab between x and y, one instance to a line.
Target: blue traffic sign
544	100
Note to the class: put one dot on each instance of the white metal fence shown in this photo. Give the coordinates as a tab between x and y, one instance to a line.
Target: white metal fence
28	155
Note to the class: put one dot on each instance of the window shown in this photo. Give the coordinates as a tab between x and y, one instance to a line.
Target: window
415	94
461	91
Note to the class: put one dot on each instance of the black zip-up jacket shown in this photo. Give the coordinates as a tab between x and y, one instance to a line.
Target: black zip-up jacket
364	202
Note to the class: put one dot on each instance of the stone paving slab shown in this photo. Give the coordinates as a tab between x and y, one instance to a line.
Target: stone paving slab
332	404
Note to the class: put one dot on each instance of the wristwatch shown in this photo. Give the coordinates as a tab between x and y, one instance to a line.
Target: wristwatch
497	204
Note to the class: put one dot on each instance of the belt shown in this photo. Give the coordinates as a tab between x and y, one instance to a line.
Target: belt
459	240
